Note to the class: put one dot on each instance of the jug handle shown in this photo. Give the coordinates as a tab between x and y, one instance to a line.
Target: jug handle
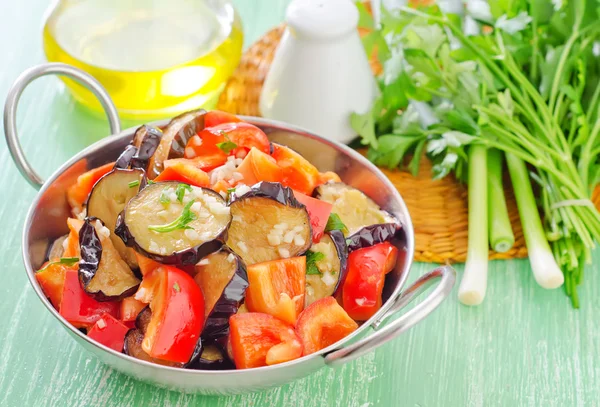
12	100
446	276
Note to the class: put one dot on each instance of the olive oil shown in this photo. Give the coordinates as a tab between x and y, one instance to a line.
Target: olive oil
156	58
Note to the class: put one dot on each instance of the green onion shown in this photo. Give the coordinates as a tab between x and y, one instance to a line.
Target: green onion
134	184
474	282
181	222
545	270
502	238
67	261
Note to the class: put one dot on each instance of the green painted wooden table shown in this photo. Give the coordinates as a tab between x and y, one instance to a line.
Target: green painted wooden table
523	346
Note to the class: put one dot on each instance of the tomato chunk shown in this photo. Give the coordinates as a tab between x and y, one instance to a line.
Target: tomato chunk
130	308
318	212
261	339
297	172
322	323
52	280
177	306
361	293
277	288
109	332
183	171
77	194
258	166
206	156
216	117
81	310
328	176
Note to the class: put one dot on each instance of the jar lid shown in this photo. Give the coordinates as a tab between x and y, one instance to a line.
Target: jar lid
322	19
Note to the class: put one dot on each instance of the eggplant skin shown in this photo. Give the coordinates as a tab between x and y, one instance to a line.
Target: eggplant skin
91	252
372	235
213	357
340	243
96	263
272	190
124	159
148	138
234	293
185	257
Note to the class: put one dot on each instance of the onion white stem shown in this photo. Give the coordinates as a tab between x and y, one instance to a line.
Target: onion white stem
502	238
545	270
474	282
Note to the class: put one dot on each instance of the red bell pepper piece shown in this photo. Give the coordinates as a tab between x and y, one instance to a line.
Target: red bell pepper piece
72	243
318	212
216	117
361	293
277	288
146	265
297	172
183	171
81	310
261	339
130	308
109	332
177	306
52	280
322	323
77	193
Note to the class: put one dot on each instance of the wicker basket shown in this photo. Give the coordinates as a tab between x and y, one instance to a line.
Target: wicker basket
438	208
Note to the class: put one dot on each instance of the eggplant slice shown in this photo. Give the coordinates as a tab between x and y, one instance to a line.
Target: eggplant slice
332	267
147	140
355	209
108	199
223	279
213	357
268	223
372	235
174	139
102	273
174	230
135	336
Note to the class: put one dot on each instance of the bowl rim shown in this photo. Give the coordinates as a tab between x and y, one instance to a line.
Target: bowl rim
405	221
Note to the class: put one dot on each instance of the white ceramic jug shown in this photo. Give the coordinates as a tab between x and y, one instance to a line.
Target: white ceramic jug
320	73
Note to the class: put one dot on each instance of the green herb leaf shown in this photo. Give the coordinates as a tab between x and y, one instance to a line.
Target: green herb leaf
230	190
311	259
150	182
67	261
176	287
181	222
164	198
180	191
335	223
227	146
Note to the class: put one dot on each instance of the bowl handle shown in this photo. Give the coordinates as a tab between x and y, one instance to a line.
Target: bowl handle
12	100
447	277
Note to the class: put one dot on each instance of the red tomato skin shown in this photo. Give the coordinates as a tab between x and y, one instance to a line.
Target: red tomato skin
109	332
81	310
216	117
318	212
184	172
361	293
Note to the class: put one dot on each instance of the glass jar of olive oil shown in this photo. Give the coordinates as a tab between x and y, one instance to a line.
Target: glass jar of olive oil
156	58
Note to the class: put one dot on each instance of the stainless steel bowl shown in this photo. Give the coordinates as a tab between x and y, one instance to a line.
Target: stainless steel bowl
47	216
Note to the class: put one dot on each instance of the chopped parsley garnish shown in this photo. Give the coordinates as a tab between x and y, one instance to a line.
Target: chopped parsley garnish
335	223
67	261
164	197
176	287
230	190
181	222
227	145
180	191
150	182
134	184
311	262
